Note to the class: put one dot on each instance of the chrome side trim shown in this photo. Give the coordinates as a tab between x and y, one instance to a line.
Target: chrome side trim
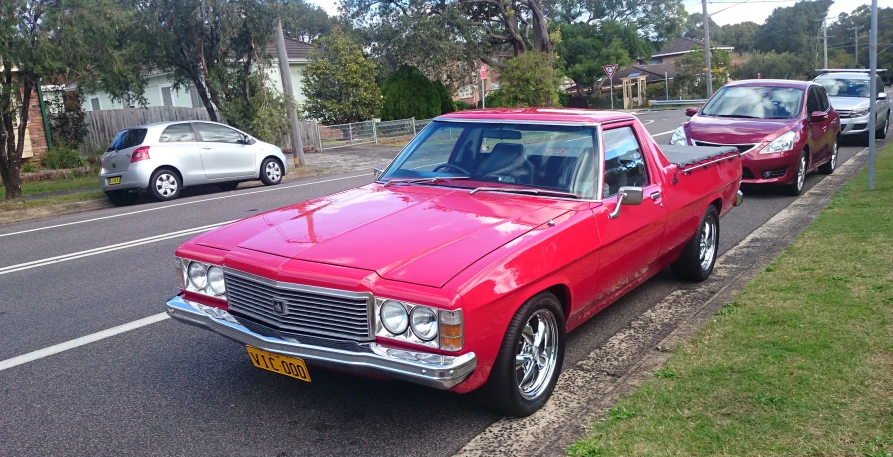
428	369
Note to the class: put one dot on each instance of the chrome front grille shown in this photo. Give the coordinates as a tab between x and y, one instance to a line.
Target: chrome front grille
844	113
299	309
742	148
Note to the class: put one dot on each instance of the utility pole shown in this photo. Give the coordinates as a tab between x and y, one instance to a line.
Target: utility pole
297	144
856	34
707	48
873	92
825	33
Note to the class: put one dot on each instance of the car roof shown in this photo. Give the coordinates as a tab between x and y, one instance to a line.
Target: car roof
562	115
790	83
166	123
844	74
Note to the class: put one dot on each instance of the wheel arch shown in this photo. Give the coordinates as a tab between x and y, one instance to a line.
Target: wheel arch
168	167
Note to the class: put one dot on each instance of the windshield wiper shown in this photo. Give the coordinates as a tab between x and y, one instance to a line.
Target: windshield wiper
525	190
433	179
735	115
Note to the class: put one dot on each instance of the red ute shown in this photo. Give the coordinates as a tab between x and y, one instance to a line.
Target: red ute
468	259
784	129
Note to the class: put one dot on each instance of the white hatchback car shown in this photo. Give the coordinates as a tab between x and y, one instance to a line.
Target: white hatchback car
164	158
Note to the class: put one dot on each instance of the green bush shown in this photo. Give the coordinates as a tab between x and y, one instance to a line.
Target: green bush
28	167
529	79
498	99
62	156
462	106
408	93
67	120
446	100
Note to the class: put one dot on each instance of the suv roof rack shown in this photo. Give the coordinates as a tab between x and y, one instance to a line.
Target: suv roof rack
847	70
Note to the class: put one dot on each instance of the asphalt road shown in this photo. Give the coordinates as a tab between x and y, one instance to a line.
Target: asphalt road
169	389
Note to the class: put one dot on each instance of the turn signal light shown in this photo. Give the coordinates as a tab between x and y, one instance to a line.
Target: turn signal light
451	330
141	153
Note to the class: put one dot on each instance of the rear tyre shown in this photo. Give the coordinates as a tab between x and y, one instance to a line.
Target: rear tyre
530	358
882	132
165	185
697	260
231	185
271	171
122	197
828	167
796	188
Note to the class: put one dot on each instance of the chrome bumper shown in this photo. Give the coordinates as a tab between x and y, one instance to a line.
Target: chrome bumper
431	370
739	198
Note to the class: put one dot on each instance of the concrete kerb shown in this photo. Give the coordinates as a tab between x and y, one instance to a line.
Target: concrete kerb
630	357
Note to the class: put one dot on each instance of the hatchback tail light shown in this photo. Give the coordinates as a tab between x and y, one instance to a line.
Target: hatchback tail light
141	153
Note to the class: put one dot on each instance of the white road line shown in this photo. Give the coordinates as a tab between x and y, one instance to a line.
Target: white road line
664	133
82	341
650	121
270	189
105	249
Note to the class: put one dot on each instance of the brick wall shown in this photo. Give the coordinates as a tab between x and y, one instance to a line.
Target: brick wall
36	130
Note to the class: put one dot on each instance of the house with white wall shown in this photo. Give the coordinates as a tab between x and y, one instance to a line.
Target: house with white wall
160	91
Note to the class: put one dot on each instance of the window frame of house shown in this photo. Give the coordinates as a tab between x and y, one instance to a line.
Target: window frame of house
98	104
170	91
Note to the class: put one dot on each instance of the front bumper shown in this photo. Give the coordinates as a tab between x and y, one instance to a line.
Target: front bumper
427	369
778	168
854	125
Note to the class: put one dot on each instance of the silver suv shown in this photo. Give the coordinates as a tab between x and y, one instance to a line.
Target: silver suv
163	158
849	94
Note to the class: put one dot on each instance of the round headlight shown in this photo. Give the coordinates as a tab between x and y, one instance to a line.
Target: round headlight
197	275
215	280
423	321
394	317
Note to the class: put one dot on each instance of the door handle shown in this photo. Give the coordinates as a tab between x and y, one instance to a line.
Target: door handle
206	147
655	195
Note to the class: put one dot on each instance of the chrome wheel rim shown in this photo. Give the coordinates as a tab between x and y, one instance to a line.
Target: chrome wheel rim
166	184
708	243
834	156
537	354
273	171
801	173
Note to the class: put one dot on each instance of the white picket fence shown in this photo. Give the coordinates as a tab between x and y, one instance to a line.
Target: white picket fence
341	135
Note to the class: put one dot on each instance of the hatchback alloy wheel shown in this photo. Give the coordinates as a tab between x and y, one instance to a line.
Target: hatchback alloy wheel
166	185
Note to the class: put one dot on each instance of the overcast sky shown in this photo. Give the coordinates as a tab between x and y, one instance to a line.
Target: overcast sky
753	10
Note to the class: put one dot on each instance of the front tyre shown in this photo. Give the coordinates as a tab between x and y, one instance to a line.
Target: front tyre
697	260
270	172
796	188
881	133
828	167
165	185
530	358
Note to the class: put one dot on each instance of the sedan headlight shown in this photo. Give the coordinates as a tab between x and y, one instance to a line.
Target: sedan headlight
678	137
859	112
201	278
783	143
419	324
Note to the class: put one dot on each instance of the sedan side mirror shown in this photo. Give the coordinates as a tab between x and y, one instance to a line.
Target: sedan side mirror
376	172
882	96
627	195
818	116
691	111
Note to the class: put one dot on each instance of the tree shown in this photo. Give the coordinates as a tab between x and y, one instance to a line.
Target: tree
408	93
55	40
446	100
529	80
656	20
694	28
793	29
585	48
740	36
691	80
778	66
339	82
304	21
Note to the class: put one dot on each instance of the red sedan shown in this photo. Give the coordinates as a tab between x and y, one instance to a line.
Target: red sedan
784	129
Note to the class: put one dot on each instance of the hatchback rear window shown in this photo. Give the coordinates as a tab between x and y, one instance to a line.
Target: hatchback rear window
128	139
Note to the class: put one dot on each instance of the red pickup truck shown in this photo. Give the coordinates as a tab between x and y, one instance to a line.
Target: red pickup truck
466	262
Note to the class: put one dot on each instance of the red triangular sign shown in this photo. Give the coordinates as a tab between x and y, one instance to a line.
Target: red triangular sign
610	69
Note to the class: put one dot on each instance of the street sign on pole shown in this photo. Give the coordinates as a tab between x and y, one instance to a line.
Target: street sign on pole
483	86
873	92
610	69
483	72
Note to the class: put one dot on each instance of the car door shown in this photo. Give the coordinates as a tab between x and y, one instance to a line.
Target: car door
630	242
883	104
224	152
819	149
178	146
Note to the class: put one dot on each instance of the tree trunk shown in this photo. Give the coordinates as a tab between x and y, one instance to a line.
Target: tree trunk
10	152
541	40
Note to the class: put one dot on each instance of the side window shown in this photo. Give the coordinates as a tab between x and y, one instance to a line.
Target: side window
824	104
214	133
624	161
177	133
812	103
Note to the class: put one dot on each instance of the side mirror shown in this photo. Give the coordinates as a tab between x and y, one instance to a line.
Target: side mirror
628	196
691	111
376	172
882	96
818	116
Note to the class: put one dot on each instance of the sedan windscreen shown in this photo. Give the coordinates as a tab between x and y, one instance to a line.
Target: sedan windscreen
548	157
755	102
846	87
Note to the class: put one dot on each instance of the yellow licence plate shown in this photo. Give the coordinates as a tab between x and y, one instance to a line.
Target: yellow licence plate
282	364
115	180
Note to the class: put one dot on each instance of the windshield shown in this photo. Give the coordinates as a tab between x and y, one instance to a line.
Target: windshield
513	155
755	102
857	88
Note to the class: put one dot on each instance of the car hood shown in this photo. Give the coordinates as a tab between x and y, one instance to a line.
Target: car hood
727	130
849	103
417	234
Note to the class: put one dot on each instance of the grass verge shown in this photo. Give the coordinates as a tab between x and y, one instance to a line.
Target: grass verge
800	364
53	200
55	185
